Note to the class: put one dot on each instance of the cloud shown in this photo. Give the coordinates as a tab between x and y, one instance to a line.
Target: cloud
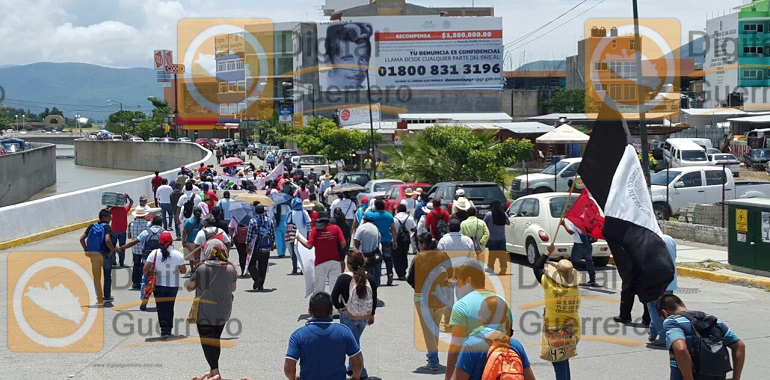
208	63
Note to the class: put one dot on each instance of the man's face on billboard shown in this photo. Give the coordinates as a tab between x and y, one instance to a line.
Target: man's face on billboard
350	53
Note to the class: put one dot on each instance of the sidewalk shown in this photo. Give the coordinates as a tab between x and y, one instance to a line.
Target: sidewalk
689	253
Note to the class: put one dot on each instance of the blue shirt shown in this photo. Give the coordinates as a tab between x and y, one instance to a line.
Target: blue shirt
192	228
321	348
473	358
681	328
418	212
671	247
383	220
224	204
465	312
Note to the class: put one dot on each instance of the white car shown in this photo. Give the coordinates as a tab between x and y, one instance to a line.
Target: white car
116	137
224	142
184	139
727	159
534	220
155	139
136	139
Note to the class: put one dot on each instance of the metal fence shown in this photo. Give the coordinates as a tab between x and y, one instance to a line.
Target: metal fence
715	134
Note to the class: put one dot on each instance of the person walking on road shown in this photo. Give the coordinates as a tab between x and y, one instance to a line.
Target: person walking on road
496	220
437	220
214	283
167	263
582	250
688	361
146	241
657	335
173	218
367	241
163	199
405	227
299	222
384	222
135	229
260	240
328	241
119	227
477	230
156	182
561	321
97	245
355	295
224	204
192	226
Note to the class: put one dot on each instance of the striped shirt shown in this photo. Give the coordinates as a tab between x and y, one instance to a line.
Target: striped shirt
136	227
252	233
678	327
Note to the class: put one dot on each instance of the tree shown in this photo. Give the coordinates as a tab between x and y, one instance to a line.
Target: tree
153	127
56	111
567	100
45	113
122	122
322	136
274	133
4	123
443	153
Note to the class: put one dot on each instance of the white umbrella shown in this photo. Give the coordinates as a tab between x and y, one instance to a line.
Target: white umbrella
564	134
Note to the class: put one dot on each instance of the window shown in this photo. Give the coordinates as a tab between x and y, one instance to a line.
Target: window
753	74
221	66
231	84
233	108
223	109
241	85
380	186
570	171
222	87
614	44
241	107
514	209
557	205
598	66
753	28
616	91
231	65
691	179
530	208
629	69
239	64
616	68
629	92
484	193
598	87
752	50
659	178
715	177
632	44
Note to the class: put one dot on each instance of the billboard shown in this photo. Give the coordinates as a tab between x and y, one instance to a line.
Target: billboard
358	115
421	52
721	53
162	58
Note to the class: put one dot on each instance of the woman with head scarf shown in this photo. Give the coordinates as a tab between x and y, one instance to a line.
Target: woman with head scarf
167	263
496	221
561	321
298	222
214	283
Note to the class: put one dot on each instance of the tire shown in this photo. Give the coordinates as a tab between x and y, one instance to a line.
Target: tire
601	261
531	251
661	211
541	190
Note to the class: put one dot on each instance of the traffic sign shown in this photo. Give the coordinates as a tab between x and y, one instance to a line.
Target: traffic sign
175	68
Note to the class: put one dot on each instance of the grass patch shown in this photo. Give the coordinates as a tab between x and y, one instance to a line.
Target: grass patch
708	265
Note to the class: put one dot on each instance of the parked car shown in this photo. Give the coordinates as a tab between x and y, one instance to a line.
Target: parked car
252	148
13	145
286	153
699	184
204	142
480	193
681	152
397	193
167	139
712	151
240	144
155	139
136	139
534	221
732	163
115	137
224	142
756	158
376	188
556	177
657	149
359	178
315	162
184	139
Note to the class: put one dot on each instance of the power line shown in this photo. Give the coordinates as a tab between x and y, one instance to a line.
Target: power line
559	26
544	25
58	104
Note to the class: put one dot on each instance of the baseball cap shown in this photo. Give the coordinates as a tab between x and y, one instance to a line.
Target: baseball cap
364	200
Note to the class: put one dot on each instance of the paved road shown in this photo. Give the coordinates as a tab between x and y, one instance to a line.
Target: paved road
267	319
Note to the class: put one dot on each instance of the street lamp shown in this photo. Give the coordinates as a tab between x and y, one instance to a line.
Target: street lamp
310	88
114	101
17	124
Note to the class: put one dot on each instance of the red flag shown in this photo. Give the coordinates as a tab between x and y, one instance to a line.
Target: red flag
584	214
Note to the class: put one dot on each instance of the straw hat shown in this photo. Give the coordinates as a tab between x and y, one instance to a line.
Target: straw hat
408	192
462	203
307	204
141	212
327	176
418	191
563	273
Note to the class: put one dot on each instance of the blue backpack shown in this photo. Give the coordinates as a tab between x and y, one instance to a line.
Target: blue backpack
95	238
264	238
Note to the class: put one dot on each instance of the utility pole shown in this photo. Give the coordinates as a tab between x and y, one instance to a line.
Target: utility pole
371	125
639	79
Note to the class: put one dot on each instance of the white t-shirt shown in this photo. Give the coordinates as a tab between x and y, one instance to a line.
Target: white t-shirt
186	196
167	272
200	238
421	228
346	205
164	194
576	234
410	204
406	220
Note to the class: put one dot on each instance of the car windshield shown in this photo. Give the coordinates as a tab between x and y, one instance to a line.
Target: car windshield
760	153
312	160
694	155
360	179
557	205
724	157
659	178
558	167
485	193
384	186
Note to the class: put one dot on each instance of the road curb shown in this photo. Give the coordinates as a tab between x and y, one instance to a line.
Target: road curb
723	278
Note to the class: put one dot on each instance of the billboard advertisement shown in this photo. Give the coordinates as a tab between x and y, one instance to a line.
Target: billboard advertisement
358	115
162	58
421	52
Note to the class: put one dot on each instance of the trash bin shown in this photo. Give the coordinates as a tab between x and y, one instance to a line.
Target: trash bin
748	241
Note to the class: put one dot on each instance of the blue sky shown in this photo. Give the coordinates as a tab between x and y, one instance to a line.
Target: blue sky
123	33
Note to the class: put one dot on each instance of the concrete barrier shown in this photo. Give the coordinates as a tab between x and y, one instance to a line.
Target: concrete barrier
36	218
128	155
26	173
695	232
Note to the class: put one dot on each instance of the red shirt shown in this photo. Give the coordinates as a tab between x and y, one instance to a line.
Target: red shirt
431	220
156	182
326	243
201	170
313	216
120	218
211	199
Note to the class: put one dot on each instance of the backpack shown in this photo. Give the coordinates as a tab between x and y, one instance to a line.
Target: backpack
95	238
264	240
709	354
402	238
187	208
150	244
359	308
240	236
503	363
441	227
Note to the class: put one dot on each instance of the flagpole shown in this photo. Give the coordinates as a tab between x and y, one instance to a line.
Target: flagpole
639	79
564	209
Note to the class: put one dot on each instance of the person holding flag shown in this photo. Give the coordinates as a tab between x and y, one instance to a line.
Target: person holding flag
585	224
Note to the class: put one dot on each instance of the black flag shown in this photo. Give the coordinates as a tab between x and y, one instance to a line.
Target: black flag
612	173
